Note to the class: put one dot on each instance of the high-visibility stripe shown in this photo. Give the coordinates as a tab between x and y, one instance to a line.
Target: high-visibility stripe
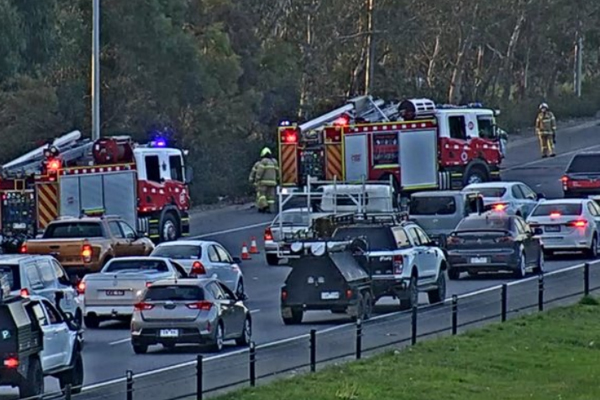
47	204
289	167
334	162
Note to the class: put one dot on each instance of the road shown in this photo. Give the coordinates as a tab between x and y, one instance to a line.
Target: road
108	353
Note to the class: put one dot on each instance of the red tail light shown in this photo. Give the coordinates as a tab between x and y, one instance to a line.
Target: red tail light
397	263
23	249
578	224
80	288
11	362
454	240
268	234
86	253
148	284
284	295
198	268
143	307
24	293
201	305
349	293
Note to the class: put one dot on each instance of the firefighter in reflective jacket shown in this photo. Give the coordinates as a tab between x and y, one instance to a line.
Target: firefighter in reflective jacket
264	178
545	126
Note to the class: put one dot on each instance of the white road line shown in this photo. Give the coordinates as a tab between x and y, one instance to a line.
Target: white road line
241	228
120	341
541	160
254	311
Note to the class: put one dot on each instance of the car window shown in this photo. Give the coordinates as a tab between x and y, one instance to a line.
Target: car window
174	293
213	256
12	274
592	209
115	230
178	251
136	265
179	268
73	230
60	273
414	236
583	163
223	255
484	223
33	276
517	193
545	209
299	218
528	192
401	238
226	291
53	314
435	205
423	237
595	207
489	191
39	314
216	291
127	230
46	273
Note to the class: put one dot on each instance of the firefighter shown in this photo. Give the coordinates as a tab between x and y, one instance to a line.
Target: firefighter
545	126
264	178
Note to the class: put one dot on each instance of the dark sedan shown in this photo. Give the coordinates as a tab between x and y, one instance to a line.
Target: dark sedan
493	243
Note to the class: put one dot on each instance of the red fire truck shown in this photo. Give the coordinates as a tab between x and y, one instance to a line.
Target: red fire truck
146	185
420	145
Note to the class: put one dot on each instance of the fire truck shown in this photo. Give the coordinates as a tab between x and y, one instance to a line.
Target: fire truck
416	143
146	185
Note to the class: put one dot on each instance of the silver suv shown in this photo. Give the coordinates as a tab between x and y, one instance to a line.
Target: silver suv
42	276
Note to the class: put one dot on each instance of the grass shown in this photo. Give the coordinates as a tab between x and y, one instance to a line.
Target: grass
554	355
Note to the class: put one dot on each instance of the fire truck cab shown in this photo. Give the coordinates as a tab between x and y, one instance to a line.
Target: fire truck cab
420	145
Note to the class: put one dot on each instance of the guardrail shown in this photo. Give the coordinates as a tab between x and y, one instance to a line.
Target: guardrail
207	376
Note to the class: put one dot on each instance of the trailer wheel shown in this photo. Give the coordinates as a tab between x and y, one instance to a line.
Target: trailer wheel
169	229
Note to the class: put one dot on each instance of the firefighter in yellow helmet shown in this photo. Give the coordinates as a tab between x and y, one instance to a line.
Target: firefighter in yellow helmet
264	178
545	126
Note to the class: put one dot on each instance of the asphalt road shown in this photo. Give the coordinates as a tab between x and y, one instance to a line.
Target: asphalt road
108	353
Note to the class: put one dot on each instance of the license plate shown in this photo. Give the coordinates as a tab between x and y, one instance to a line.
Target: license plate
169	333
330	295
479	260
115	293
552	228
17	225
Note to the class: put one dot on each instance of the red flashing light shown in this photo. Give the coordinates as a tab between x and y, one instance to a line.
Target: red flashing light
24	293
200	305
344	120
198	268
290	136
555	215
268	234
143	307
11	362
53	165
86	253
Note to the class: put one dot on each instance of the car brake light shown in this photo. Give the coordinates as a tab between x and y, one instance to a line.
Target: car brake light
578	224
397	263
499	207
564	179
349	293
80	288
555	215
198	268
284	295
23	249
268	234
11	362
148	284
143	306
24	293
86	253
200	305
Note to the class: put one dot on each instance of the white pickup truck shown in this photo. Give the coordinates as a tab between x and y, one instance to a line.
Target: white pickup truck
112	293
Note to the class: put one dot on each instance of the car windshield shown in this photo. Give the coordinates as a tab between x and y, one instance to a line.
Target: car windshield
73	230
178	252
436	205
174	293
489	191
544	210
378	238
139	265
11	272
484	223
299	218
583	163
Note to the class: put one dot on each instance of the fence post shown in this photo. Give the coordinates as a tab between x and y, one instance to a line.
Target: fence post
454	314
358	339
541	292
413	336
252	364
129	379
313	350
199	377
504	301
586	279
68	391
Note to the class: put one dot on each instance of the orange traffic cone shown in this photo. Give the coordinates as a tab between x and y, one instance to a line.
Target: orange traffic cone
253	246
245	254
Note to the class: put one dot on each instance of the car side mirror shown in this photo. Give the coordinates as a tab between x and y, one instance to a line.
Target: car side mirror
237	260
538	231
540	196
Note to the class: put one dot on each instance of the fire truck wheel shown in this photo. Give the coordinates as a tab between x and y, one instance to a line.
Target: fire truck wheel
169	230
475	174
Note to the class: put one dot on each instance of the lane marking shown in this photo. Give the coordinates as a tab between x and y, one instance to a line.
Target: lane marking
291	339
254	311
541	160
241	228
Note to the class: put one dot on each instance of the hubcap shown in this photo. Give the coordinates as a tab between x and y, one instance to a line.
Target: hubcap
523	266
219	337
169	232
475	179
442	286
240	289
247	331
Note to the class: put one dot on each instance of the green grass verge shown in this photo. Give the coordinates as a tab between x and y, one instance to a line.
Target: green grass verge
554	355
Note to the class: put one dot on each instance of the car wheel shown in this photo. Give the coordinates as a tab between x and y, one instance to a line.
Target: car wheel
272	259
367	306
246	337
413	295
169	230
593	250
218	339
296	318
91	321
140	348
539	268
521	270
74	376
33	386
453	274
438	295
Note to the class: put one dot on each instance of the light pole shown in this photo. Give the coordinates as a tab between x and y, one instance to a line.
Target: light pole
96	70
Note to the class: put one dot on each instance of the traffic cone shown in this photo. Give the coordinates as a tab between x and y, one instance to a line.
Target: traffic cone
245	254
253	246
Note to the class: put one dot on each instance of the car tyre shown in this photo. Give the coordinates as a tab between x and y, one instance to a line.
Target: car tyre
91	321
521	270
413	295
246	337
140	348
592	252
33	386
439	294
453	274
169	229
296	318
272	259
475	174
218	339
367	306
74	376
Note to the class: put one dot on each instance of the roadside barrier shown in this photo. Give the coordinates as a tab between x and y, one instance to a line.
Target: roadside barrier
209	375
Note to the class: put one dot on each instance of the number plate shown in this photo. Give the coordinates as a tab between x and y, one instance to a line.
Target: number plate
479	260
169	333
330	295
115	293
552	228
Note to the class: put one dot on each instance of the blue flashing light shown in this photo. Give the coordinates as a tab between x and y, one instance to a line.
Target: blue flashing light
285	123
160	143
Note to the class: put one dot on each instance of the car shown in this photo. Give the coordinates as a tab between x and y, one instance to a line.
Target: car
568	225
112	293
582	175
38	340
189	311
492	242
515	198
43	276
202	258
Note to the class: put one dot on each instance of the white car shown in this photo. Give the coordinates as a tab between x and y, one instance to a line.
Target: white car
41	275
205	258
568	225
513	198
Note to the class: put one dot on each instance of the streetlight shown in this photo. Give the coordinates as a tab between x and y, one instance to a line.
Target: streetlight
96	70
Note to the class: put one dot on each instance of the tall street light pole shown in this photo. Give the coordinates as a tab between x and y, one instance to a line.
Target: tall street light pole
96	70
